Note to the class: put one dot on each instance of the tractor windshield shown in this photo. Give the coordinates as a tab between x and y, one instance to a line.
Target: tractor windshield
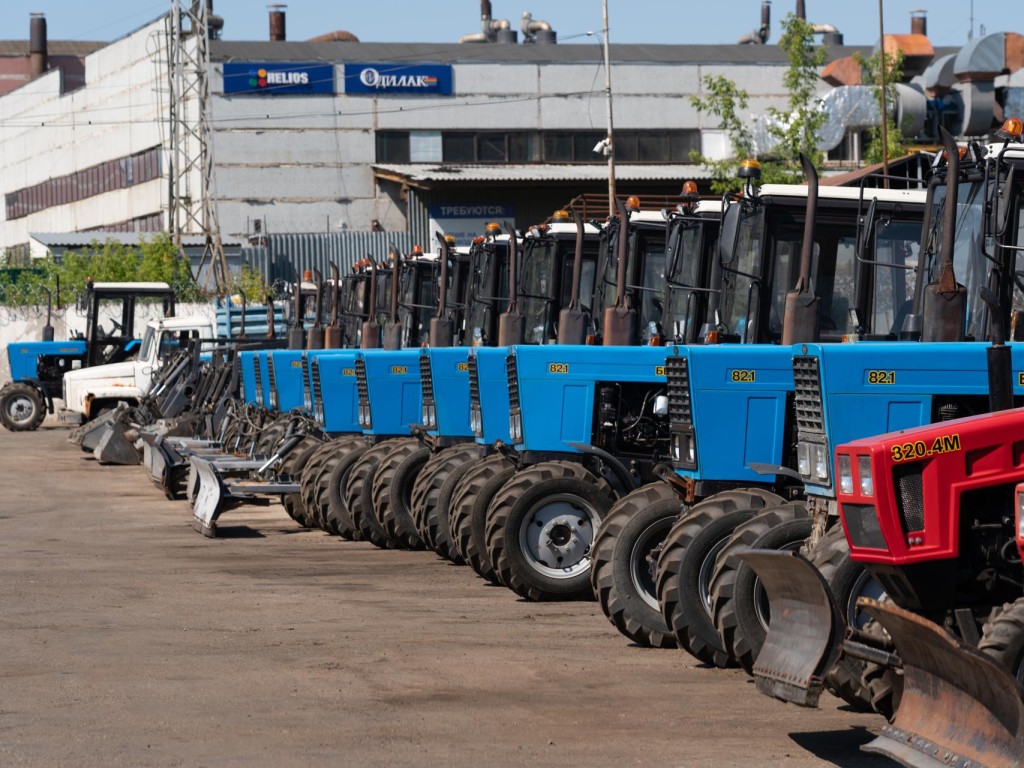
489	295
682	272
416	303
741	277
647	247
539	287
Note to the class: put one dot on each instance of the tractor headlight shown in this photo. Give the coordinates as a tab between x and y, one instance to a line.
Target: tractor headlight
803	459
476	421
845	472
429	416
867	482
820	462
1020	516
515	427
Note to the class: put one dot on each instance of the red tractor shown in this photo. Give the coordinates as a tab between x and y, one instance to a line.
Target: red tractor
936	515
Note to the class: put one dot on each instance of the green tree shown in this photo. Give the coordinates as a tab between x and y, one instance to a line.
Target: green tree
250	281
871	69
794	131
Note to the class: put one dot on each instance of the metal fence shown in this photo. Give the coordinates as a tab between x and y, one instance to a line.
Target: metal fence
286	256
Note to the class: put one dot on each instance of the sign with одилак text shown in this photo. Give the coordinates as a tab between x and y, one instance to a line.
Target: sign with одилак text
398	78
282	78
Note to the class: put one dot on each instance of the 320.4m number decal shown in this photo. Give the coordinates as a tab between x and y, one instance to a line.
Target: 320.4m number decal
920	449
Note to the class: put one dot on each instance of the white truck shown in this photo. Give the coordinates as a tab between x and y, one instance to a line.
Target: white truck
90	391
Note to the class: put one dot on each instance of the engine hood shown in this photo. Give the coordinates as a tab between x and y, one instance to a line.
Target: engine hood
125	370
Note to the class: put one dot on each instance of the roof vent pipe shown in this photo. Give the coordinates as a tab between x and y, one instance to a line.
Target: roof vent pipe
760	36
277	30
492	30
37	53
919	22
801	10
537	31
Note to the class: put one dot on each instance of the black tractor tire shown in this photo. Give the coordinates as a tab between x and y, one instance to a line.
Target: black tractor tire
392	491
1002	639
314	487
339	520
738	601
541	496
687	563
359	496
21	408
625	558
847	581
269	438
467	519
441	472
291	466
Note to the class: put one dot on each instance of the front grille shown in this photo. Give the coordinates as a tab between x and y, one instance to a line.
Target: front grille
909	496
307	391
810	416
680	407
318	396
426	380
272	382
474	382
362	388
513	382
259	379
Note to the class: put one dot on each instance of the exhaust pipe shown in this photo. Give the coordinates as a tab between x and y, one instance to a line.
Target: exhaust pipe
271	320
572	323
511	323
620	320
371	330
332	336
944	308
277	32
315	336
442	329
393	326
296	335
800	319
38	55
245	306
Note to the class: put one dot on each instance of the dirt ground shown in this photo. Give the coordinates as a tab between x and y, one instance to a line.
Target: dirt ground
128	639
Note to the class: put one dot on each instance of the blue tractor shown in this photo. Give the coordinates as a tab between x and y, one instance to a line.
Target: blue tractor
38	367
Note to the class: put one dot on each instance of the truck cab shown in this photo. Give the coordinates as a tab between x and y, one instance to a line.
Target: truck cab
89	391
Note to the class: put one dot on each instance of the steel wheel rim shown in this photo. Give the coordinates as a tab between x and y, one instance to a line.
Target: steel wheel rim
557	535
864	586
20	408
642	566
762	607
707	571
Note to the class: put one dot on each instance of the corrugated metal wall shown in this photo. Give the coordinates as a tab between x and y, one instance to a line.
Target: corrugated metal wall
286	256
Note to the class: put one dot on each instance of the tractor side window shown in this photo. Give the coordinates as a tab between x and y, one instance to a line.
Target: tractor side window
652	299
147	344
741	275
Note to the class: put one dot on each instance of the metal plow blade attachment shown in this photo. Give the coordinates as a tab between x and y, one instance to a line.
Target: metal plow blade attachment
211	496
958	708
807	629
88	435
115	447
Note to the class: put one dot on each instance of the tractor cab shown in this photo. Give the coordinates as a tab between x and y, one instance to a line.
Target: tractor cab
690	249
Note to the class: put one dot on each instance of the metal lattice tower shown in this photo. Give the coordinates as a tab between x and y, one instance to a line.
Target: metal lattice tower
190	25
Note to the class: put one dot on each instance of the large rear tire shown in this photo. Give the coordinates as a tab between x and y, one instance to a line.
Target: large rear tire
541	527
687	563
392	491
339	518
432	494
314	486
739	603
625	563
359	496
468	512
21	407
1002	639
292	466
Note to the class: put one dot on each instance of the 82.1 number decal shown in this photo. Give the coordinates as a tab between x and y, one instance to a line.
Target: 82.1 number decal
881	377
920	449
744	377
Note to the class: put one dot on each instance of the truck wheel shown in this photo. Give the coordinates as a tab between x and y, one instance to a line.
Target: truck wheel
739	604
625	562
848	581
687	563
339	519
291	466
359	497
392	491
468	511
541	527
1002	639
441	472
21	408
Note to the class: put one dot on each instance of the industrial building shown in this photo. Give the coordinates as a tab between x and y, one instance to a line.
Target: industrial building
333	134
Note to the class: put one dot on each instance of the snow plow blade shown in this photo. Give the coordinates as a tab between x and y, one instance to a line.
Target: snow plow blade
114	447
805	637
88	435
211	496
958	708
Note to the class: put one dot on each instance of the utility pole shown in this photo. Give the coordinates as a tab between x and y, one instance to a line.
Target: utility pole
190	26
885	114
609	139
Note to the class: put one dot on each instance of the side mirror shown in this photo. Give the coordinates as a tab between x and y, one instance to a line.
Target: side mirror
1004	196
729	238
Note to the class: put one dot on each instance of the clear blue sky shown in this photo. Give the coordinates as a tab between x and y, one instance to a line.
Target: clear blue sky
435	21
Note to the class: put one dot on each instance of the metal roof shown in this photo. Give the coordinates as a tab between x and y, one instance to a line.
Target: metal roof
53	47
84	239
427	174
454	53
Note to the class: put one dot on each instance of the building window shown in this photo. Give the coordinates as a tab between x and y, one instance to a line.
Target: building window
458	147
392	146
